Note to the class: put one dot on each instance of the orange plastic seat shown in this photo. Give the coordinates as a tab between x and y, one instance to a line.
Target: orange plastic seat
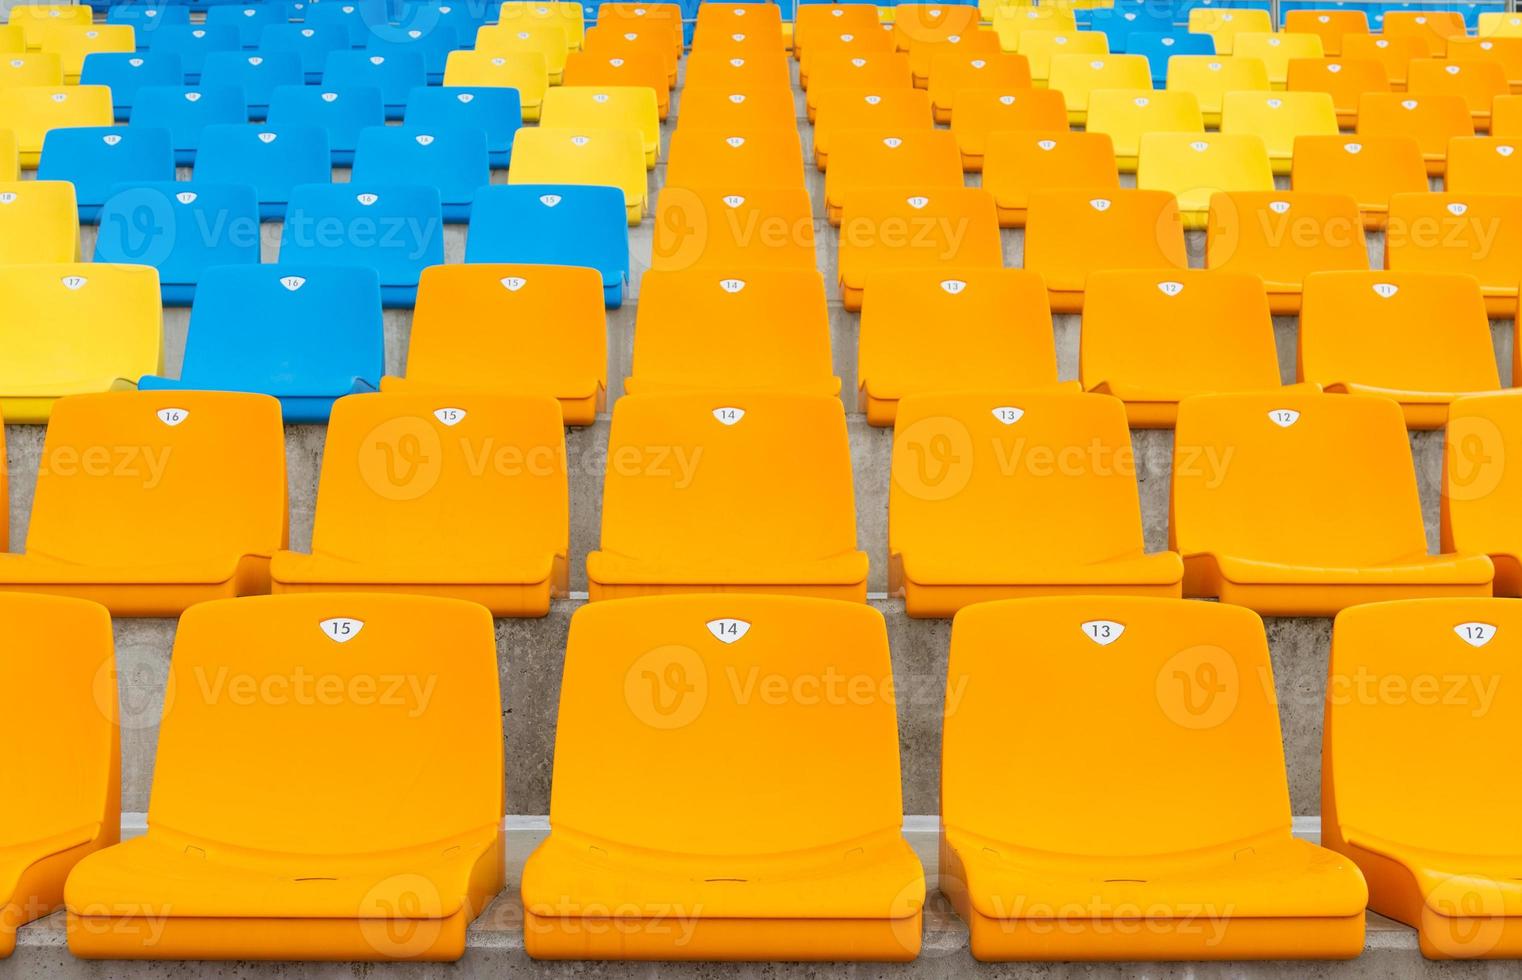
1279	119
859	18
1371	168
1194	167
608	41
1344	79
712	108
663	20
1433	27
768	474
58	684
981	112
919	23
1336	516
736	227
837	71
260	847
837	43
1329	25
1071	233
952	228
757	329
973	44
1018	164
1007	494
1478	235
1076	75
738	72
1476	82
1394	53
774	825
886	113
957	70
746	158
761	22
1210	829
993	332
1479	502
1432	120
1282	237
1429	826
1503	51
1154	338
1506	117
920	159
510	330
627	69
148	502
1483	165
1421	338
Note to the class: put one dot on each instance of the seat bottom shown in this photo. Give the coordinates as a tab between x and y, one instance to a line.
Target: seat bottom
943	601
793	940
1273	589
856	592
528	600
149	937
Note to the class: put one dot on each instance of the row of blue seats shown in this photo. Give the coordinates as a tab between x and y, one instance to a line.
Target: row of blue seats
1163	13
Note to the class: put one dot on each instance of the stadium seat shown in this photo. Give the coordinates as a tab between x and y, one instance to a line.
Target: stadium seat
626	68
93	158
603	157
433	44
356	20
344	886
73	42
1076	75
1224	24
540	37
717	228
13	40
39	222
341	115
1283	236
956	71
394	74
304	335
1421	338
1196	166
186	113
1335	473
1210	779
1394	53
1210	78
1479	235
1431	119
258	75
1330	25
1499	24
1071	233
758	329
885	113
495	111
567	13
32	68
1276	51
919	23
1160	49
1344	79
65	802
660	20
1017	164
1370	168
271	159
815	818
193	42
605	43
34	18
879	71
1433	27
1037	47
1482	165
104	331
734	72
838	43
703	158
1154	338
919	159
182	229
1009	21
524	73
762	20
1279	119
311	44
500	329
249	21
144	18
553	225
10	157
31	111
1478	509
981	112
952	228
1126	115
1123	24
575	108
454	161
1476	82
738	111
1506	116
990	521
853	17
361	215
975	44
1505	52
124	74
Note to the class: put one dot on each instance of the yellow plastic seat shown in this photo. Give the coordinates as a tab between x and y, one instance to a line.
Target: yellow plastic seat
833	71
408	504
737	71
1478	503
1210	826
31	110
35	68
10	158
1329	25
39	222
1483	165
919	23
524	71
1224	24
1421	338
1282	237
1429	827
778	828
1279	119
1432	119
1126	114
1344	79
72	42
74	328
1478	235
1394	53
1504	52
1276	51
510	330
1335	516
1076	75
611	157
1476	82
1039	46
33	18
1209	77
1194	167
738	111
768	474
724	158
1371	168
259	847
58	683
1071	233
725	228
1018	164
920	159
973	44
12	38
955	71
836	18
982	112
1154	338
756	329
833	45
887	112
1009	21
1499	24
1433	27
1506	117
566	13
578	108
170	513
993	332
952	228
627	69
543	37
609	42
982	506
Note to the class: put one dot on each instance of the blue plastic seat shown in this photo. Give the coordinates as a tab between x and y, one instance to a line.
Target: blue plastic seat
258	74
145	18
394	74
185	111
397	230
182	229
249	19
454	160
270	159
193	42
434	45
1158	47
1119	23
125	73
357	18
495	111
464	16
94	158
304	334
553	224
311	44
343	115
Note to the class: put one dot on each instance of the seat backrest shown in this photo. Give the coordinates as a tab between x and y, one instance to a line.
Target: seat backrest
1506	117
915	23
550	224
823	18
1498	24
1038	47
1476	81
722	227
1330	25
34	18
734	70
614	157
31	111
433	45
1279	117
359	213
93	157
1283	236
1474	234
39	222
1394	52
542	36
1076	75
738	111
311	42
843	41
977	43
1369	167
1070	233
243	772
1159	48
914	158
495	111
1482	165
983	111
611	41
845	69
1478	504
10	162
1210	77
886	112
1189	680
1344	79
568	15
454	160
1125	114
394	74
1432	26
181	228
1432	119
1276	49
1190	163
1027	161
72	42
603	107
31	68
1225	23
257	74
356	20
126	72
620	68
193	42
250	20
271	158
343	114
187	110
